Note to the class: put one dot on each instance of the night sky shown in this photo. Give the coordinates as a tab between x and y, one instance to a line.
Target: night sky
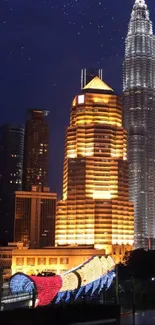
43	46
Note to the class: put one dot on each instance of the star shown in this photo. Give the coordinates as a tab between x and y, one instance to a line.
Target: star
44	44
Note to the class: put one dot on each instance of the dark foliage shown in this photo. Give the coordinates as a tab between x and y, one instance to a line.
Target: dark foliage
138	264
136	277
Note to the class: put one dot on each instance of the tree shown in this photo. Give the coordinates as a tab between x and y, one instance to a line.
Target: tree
140	264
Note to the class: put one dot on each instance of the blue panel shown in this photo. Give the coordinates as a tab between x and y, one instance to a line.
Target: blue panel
95	285
88	287
21	283
60	296
103	282
79	292
110	279
68	296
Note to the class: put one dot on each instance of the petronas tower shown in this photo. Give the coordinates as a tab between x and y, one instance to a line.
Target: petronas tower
139	120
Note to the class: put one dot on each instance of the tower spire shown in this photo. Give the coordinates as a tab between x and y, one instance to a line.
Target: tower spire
141	3
139	120
140	19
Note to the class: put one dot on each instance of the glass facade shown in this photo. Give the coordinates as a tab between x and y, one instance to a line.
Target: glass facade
11	173
35	217
36	153
139	120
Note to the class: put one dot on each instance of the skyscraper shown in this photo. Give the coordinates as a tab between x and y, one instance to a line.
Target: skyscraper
139	121
35	210
95	209
88	74
36	152
11	173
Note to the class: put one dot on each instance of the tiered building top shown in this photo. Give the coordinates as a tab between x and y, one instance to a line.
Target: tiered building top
95	209
139	117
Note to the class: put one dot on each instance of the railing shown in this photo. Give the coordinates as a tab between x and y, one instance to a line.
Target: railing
98	322
15	298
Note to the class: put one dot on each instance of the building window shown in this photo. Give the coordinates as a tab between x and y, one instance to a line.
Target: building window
64	260
53	260
41	261
19	261
81	99
30	261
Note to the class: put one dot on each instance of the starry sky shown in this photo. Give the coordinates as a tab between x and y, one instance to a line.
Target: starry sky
43	46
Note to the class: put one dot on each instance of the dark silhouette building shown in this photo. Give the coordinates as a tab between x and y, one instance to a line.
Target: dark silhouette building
35	217
11	173
36	150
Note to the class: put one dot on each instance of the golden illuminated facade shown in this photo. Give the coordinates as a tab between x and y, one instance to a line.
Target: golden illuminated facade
95	209
56	260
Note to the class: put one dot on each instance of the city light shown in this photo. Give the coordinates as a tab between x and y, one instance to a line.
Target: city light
91	275
95	209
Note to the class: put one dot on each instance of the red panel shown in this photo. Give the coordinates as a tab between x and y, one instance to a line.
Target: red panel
47	288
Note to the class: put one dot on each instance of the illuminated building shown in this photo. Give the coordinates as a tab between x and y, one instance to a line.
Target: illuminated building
11	173
50	259
88	74
139	121
86	279
36	150
95	209
6	258
54	259
35	217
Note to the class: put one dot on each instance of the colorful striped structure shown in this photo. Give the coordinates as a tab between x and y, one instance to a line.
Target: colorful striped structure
90	277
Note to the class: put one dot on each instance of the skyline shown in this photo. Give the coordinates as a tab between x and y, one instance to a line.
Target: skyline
86	76
27	30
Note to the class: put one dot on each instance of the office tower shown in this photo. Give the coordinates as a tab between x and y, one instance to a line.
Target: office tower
36	150
11	173
35	217
88	74
139	121
95	209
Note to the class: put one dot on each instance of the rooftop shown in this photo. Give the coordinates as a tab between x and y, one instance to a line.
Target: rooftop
96	85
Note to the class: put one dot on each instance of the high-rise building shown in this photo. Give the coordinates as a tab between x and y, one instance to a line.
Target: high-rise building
36	150
11	173
95	209
139	121
35	217
88	74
